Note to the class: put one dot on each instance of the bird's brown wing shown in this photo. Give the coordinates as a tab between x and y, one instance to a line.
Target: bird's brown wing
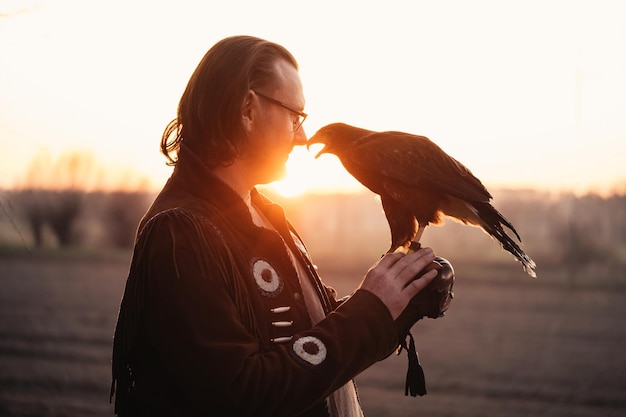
415	160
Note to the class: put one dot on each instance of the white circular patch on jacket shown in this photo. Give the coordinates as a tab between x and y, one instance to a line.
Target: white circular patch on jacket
311	349
266	277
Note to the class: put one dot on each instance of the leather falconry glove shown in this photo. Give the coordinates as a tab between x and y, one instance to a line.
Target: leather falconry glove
433	302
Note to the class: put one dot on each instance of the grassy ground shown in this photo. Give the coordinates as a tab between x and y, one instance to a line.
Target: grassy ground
509	346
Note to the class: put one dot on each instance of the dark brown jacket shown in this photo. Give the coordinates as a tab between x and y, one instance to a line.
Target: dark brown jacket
213	321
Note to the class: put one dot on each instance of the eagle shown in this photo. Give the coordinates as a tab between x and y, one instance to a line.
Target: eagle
418	184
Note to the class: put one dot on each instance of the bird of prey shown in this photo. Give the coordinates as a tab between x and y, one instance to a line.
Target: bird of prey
418	183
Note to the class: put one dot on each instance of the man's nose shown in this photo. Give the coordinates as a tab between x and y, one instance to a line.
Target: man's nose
299	138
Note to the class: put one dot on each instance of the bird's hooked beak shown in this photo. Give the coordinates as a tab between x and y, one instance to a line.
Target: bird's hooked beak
314	140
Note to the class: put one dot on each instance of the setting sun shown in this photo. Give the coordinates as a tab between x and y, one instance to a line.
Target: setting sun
322	175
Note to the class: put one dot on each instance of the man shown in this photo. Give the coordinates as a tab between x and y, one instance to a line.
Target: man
223	313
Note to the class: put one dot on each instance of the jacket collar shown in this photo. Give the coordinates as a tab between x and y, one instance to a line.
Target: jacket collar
193	177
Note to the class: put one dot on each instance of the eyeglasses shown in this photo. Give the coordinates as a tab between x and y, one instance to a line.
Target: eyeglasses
297	122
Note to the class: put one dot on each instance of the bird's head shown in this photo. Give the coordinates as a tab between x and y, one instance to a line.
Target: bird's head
335	137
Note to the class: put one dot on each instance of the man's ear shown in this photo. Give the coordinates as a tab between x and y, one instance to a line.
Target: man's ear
248	110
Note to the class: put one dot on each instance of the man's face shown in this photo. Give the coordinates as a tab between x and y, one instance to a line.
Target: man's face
272	137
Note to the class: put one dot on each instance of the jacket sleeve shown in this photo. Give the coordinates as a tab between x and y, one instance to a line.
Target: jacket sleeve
196	331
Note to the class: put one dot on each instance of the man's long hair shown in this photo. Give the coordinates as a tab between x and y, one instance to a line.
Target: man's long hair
209	112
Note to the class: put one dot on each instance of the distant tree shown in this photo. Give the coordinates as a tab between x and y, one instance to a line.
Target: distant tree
55	210
52	194
8	200
616	205
34	213
64	208
579	249
122	213
30	197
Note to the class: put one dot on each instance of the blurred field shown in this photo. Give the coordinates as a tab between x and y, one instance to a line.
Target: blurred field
510	345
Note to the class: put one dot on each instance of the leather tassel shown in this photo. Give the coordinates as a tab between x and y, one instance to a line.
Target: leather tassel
415	380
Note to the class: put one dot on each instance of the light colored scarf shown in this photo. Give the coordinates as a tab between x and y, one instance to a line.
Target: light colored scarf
344	401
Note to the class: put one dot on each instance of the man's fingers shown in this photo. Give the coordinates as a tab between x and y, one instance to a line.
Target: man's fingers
393	278
390	259
419	284
413	263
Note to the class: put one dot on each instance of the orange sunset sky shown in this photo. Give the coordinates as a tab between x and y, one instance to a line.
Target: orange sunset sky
524	93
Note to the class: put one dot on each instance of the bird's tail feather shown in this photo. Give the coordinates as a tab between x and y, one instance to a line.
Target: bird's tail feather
498	218
512	247
493	223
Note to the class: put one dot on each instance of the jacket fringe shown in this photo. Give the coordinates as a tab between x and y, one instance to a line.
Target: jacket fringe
138	287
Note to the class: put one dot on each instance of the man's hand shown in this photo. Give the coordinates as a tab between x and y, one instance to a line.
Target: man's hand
392	278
